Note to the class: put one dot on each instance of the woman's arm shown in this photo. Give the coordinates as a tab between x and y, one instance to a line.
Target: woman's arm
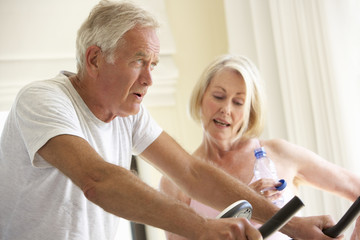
318	172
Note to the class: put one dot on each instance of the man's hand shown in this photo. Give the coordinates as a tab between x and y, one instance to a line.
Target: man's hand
356	234
309	228
230	229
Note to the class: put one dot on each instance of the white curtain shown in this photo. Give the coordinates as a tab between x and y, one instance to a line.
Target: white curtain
308	54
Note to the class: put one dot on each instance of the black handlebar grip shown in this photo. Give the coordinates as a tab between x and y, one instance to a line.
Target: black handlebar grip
281	217
345	221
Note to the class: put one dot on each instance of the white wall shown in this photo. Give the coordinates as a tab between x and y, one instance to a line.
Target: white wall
38	41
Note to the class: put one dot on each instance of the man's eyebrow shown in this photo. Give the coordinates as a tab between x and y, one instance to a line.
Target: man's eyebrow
142	54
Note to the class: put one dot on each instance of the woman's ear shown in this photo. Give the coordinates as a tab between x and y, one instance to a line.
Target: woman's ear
93	57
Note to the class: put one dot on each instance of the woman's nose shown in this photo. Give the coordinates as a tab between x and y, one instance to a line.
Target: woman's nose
225	109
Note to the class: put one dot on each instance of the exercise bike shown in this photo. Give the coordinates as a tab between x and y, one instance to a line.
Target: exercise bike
243	208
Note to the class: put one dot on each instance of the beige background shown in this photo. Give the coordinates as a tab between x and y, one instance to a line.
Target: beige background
199	32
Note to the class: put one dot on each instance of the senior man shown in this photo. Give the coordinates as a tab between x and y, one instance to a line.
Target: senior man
66	148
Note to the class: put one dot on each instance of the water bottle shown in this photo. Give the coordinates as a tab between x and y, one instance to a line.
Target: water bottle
265	168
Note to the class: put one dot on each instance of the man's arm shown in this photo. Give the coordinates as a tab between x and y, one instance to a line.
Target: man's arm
215	188
121	193
204	181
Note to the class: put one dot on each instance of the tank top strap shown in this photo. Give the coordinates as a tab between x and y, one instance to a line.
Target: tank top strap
258	143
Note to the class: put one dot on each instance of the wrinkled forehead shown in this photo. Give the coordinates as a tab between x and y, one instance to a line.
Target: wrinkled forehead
145	39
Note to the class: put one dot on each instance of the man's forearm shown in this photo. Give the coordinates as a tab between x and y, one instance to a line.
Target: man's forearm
116	189
203	181
136	201
218	189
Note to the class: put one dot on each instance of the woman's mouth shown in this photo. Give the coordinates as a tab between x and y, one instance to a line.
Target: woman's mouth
221	123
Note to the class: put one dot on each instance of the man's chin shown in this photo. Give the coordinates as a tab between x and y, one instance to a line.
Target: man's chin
133	110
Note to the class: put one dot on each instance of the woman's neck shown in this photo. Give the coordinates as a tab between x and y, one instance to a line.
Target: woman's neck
215	151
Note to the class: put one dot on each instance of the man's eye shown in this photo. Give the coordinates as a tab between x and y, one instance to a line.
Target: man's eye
139	63
152	66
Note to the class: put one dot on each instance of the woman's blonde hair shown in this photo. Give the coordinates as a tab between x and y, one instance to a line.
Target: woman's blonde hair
106	25
254	102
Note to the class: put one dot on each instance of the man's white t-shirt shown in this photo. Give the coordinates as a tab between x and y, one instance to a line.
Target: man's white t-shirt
36	200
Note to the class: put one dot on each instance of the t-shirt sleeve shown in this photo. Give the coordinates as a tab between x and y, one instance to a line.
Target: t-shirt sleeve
145	131
42	113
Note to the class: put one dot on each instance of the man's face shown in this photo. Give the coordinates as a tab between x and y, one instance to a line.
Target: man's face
124	83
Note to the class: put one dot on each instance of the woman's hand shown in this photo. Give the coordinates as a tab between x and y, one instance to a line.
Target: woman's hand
266	187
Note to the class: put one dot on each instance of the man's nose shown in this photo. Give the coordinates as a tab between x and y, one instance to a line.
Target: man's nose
146	78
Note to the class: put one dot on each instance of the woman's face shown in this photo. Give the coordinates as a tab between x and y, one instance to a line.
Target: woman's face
222	107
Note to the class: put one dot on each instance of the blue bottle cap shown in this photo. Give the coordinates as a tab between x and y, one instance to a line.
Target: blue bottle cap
260	152
282	186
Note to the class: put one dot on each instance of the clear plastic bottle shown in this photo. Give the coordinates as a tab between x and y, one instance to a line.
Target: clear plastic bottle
265	168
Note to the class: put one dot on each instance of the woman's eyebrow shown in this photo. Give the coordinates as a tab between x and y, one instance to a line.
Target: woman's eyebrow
224	90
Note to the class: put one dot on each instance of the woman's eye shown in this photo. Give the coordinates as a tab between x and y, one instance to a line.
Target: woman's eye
239	103
218	97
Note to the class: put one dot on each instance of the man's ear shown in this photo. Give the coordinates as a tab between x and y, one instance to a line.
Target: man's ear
93	57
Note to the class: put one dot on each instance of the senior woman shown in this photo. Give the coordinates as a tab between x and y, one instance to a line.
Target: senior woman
229	104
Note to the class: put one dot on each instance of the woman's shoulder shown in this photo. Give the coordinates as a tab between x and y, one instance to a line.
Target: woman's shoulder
275	144
279	148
